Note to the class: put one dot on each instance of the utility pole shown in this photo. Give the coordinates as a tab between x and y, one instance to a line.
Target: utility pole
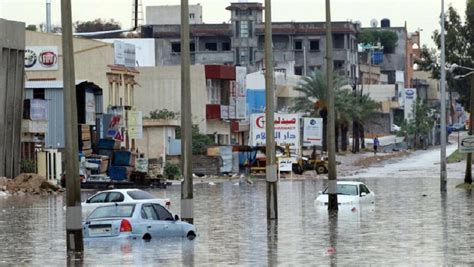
74	242
186	120
443	104
332	175
271	168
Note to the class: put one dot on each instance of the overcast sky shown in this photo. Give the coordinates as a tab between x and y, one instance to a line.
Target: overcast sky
419	14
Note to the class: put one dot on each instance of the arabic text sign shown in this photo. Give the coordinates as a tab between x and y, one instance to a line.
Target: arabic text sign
285	164
135	124
313	132
286	130
467	144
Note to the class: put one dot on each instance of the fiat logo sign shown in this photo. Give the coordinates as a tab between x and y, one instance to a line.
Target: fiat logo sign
48	58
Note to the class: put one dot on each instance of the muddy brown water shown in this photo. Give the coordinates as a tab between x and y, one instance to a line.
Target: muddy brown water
411	223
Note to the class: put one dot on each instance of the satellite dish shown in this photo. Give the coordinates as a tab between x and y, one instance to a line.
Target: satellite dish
374	23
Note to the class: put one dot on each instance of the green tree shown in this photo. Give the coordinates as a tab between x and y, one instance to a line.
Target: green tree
98	25
32	27
387	38
349	106
200	141
419	125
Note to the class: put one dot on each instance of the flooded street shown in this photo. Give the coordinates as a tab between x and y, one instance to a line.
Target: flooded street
410	223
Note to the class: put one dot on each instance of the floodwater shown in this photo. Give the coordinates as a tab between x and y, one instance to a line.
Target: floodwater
411	223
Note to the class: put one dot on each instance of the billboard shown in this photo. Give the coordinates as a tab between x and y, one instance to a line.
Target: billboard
41	58
124	54
135	124
287	130
313	132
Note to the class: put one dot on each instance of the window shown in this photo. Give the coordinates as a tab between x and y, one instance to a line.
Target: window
191	15
115	197
100	198
38	94
243	57
211	46
112	211
139	194
344	189
214	91
226	46
176	47
338	41
314	45
338	64
298	45
364	189
163	214
192	47
148	213
244	29
298	70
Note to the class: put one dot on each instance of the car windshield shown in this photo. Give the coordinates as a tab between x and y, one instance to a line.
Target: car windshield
345	189
139	194
112	211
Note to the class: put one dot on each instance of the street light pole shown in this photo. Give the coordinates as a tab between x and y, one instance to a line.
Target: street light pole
332	175
468	174
74	238
443	104
271	167
186	119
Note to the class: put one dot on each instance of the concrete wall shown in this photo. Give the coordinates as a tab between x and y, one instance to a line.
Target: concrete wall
12	49
156	134
91	58
161	88
163	15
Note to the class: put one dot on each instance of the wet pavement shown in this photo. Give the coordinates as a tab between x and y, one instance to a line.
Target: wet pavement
410	223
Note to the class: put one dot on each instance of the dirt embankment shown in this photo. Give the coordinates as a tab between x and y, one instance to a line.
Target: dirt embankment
368	161
27	183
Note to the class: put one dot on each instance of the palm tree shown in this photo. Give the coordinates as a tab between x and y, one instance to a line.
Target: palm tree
364	108
314	89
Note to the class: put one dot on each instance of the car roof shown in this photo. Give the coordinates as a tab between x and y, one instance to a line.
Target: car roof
349	182
121	190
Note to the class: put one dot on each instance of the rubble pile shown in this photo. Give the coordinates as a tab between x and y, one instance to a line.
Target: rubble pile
27	183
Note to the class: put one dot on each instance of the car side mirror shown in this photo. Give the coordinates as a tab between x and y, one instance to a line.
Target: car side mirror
176	217
363	194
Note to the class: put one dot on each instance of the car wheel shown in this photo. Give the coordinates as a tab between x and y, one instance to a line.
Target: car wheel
321	169
191	235
297	169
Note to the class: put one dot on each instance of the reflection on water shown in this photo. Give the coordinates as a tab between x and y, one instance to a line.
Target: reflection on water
411	223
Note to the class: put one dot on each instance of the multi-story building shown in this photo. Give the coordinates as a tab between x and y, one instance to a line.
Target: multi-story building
171	14
299	47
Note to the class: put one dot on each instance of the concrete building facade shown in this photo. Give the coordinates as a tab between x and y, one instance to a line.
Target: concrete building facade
171	14
299	47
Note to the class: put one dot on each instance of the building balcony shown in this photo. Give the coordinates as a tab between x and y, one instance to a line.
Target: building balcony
217	112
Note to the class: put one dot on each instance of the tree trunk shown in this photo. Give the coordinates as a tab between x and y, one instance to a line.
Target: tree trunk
337	137
355	137
362	136
344	140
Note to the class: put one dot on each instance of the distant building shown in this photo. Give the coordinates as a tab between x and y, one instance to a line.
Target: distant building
299	47
171	15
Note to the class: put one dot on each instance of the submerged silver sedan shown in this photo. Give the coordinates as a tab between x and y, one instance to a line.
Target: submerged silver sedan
144	220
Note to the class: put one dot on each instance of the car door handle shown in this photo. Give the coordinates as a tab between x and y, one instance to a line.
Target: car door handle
166	226
149	227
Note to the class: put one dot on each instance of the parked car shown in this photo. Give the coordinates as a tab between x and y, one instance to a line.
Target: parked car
144	220
395	128
119	196
456	127
348	193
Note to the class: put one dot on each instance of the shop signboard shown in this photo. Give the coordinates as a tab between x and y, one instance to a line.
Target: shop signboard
287	130
240	93
124	54
313	132
41	58
135	124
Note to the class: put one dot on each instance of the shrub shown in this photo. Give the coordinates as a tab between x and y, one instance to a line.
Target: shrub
172	171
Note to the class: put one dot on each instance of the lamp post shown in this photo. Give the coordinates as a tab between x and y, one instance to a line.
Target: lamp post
443	180
468	174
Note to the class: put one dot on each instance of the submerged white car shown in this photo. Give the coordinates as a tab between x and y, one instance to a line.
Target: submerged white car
119	196
348	193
